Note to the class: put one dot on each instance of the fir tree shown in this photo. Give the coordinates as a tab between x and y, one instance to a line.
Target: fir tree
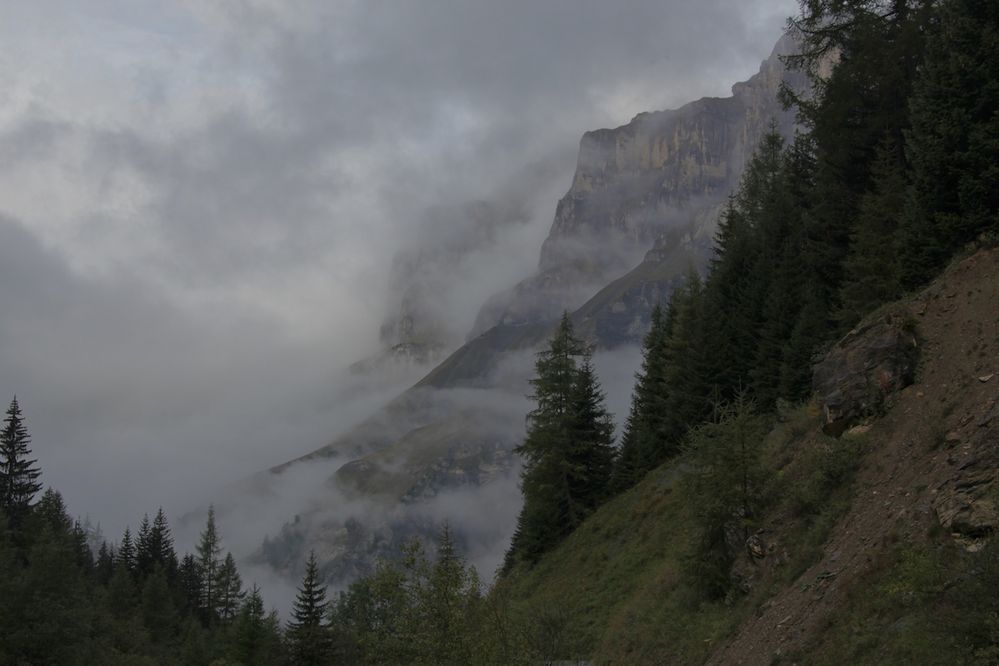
228	589
872	271
18	472
566	451
953	143
190	582
126	551
209	550
257	637
644	428
161	545
143	556
308	636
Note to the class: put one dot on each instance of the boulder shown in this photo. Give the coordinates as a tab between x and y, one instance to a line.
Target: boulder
858	376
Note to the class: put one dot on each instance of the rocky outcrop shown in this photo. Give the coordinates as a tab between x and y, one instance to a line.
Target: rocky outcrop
664	172
861	373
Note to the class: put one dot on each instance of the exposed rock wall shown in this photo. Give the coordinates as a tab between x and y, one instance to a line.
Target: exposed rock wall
663	172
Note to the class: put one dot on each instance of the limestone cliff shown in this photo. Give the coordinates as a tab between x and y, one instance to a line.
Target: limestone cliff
666	171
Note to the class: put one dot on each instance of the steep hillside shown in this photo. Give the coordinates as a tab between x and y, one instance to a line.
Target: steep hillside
874	544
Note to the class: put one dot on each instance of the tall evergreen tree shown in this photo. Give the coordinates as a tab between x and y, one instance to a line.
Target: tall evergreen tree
229	590
18	472
953	143
257	637
308	636
566	451
646	420
126	551
209	551
161	545
872	271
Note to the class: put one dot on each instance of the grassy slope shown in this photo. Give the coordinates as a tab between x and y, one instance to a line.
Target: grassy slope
860	574
621	578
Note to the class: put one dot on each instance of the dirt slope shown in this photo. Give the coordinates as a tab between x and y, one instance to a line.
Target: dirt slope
932	454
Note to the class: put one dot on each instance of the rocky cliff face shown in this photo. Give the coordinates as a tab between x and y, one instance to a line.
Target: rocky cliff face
664	172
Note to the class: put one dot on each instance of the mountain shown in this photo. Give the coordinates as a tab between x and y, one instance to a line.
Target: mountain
639	216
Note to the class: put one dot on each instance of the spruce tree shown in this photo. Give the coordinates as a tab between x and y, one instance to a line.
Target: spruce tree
228	590
18	472
872	271
209	550
591	432
645	425
566	450
126	552
308	636
161	545
953	142
257	637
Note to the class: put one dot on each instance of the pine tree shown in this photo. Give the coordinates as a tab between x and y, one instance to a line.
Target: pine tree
209	550
105	563
566	451
257	638
18	473
229	590
645	425
447	605
872	271
953	144
308	636
126	551
143	556
190	582
591	431
161	545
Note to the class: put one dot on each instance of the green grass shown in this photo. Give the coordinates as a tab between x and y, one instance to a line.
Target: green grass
621	584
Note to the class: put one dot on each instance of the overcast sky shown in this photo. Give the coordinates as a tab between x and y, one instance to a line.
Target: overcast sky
200	200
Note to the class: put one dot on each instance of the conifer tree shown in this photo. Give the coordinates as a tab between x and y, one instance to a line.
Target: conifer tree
308	636
566	451
18	472
591	432
143	555
126	551
190	582
645	425
229	590
953	143
209	550
105	563
257	638
161	545
872	271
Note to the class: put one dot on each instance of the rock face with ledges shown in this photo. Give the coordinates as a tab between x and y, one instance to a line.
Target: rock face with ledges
665	172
